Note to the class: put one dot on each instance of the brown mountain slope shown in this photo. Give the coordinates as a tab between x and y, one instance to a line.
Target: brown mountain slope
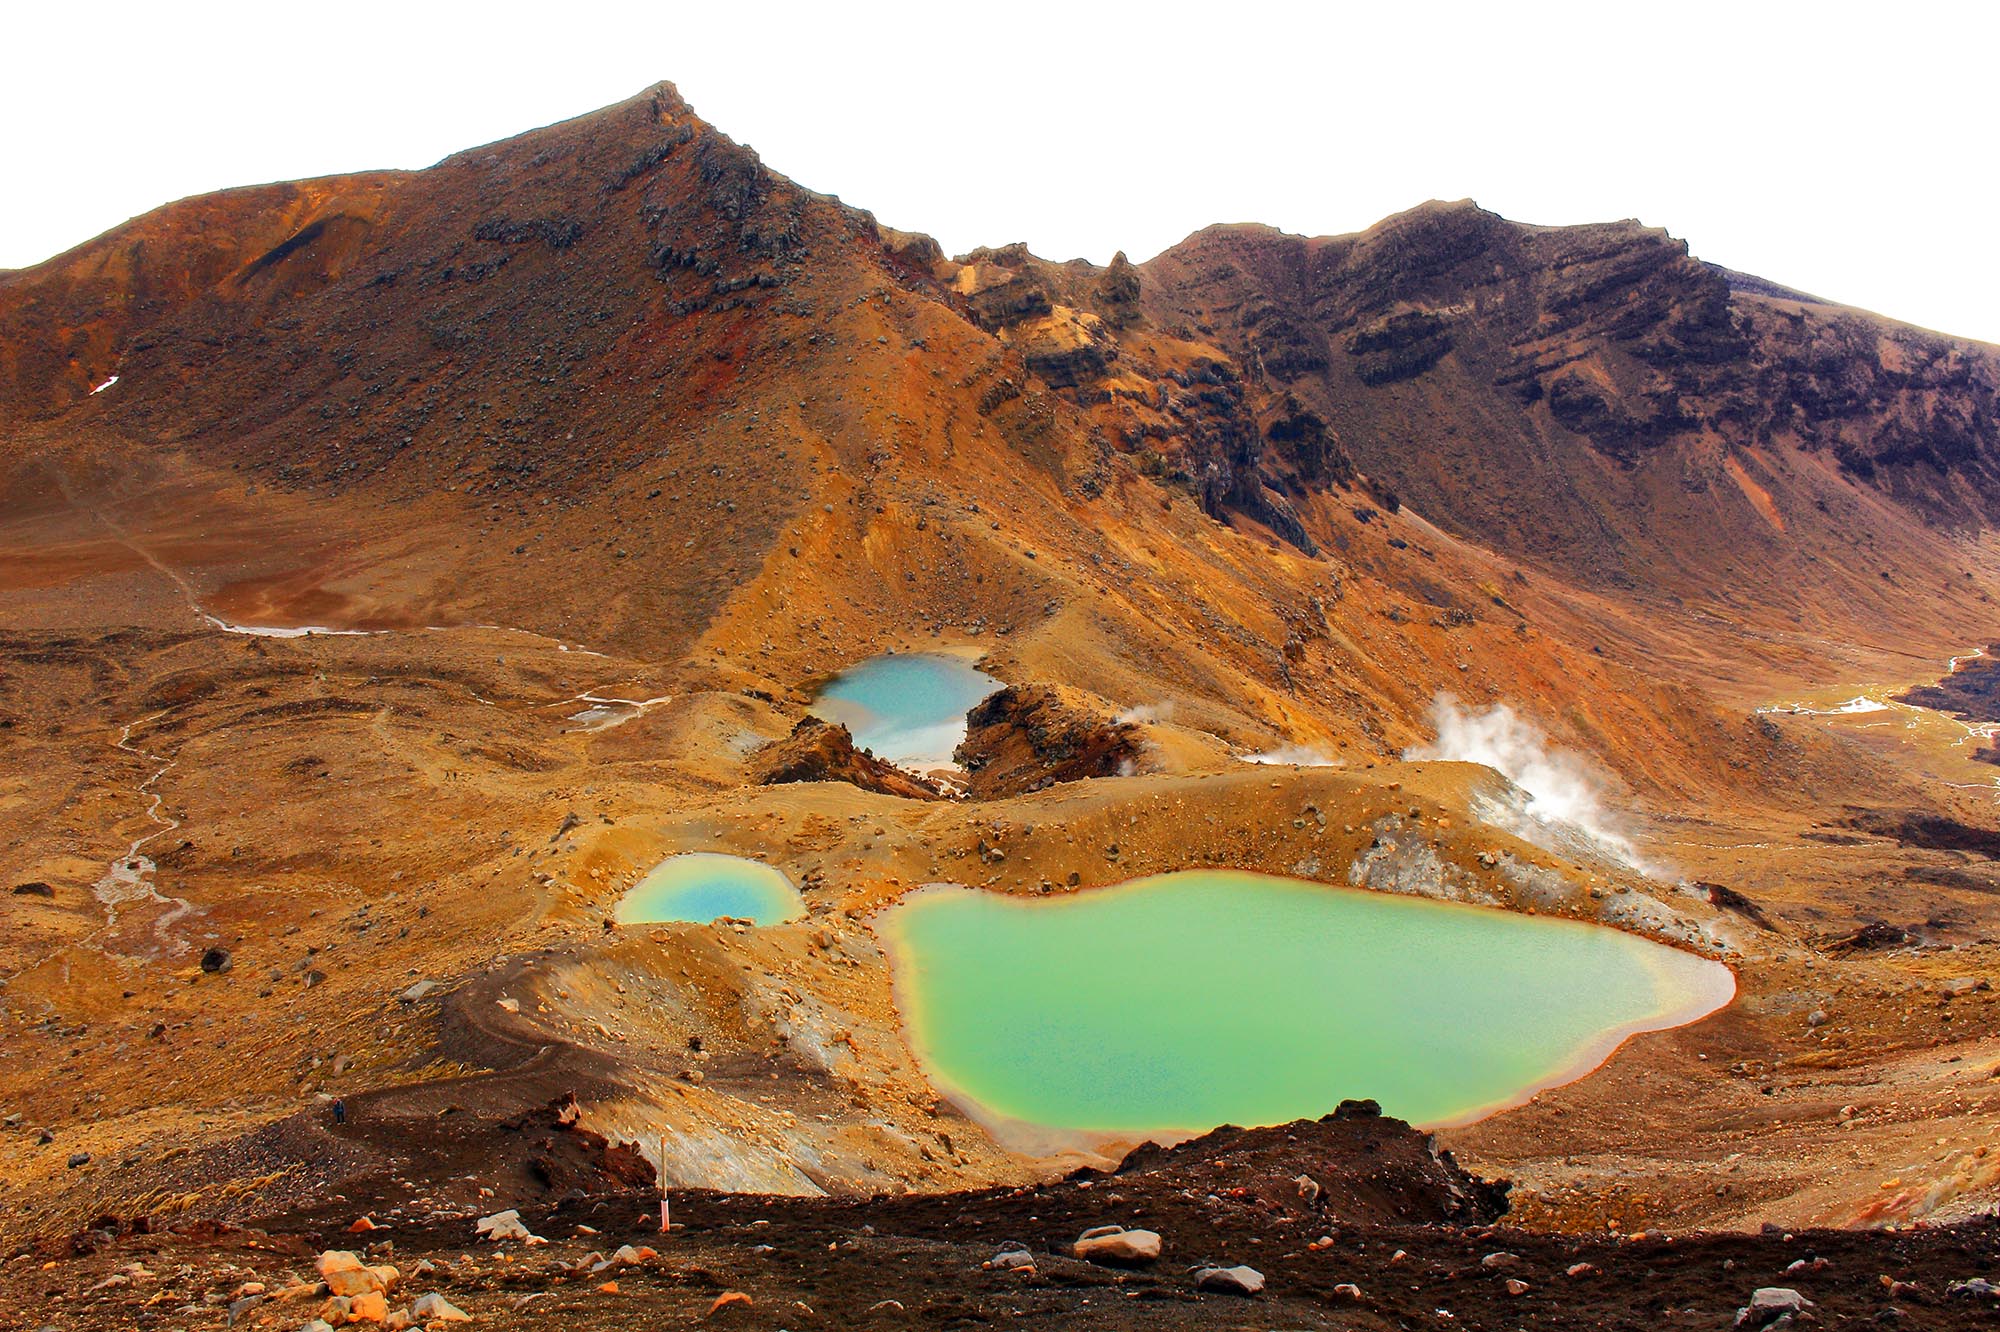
625	442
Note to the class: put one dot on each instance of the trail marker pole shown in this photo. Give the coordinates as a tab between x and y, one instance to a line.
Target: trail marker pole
663	1185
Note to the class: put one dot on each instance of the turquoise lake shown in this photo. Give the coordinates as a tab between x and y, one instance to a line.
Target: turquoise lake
907	708
702	886
1172	1004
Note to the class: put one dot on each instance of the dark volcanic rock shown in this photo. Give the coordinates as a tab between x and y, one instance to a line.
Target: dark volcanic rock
1933	832
1368	1167
1972	692
1483	370
1399	347
1871	937
1730	900
822	751
1026	737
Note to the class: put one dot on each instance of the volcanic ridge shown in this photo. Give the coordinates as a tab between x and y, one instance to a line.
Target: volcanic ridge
395	568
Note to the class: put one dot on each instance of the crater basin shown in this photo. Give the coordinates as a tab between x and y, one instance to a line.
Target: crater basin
1172	1004
703	886
907	708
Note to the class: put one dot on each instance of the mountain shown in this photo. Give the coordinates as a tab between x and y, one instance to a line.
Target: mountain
587	456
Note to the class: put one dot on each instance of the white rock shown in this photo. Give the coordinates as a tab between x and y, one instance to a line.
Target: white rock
435	1308
1112	1244
506	1225
1770	1303
1233	1280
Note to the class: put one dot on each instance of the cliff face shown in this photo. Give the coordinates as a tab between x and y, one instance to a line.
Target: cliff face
1590	394
528	316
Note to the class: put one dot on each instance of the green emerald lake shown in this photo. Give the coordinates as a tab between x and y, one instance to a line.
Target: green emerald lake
1176	1003
702	886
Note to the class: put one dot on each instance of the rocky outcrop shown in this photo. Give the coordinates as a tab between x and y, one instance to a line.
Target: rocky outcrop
1026	737
822	751
1972	692
1363	1164
1487	372
1066	347
1927	829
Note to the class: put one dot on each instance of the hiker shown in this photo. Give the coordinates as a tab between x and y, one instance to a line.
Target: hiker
339	1111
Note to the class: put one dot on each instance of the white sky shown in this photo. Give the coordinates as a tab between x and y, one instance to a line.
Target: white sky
1847	150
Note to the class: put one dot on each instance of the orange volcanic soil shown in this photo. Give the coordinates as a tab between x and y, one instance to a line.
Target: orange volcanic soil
610	409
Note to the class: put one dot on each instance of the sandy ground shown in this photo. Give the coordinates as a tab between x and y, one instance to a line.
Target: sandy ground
351	815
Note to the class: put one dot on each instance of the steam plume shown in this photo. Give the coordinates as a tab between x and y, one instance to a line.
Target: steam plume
1564	793
1292	756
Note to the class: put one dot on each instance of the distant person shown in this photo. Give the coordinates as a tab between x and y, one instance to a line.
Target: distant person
339	1111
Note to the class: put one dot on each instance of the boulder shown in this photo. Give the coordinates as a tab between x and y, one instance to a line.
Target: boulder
506	1225
1230	1280
435	1308
1770	1303
353	1281
337	1260
1027	737
822	751
1012	1258
368	1307
1117	1246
